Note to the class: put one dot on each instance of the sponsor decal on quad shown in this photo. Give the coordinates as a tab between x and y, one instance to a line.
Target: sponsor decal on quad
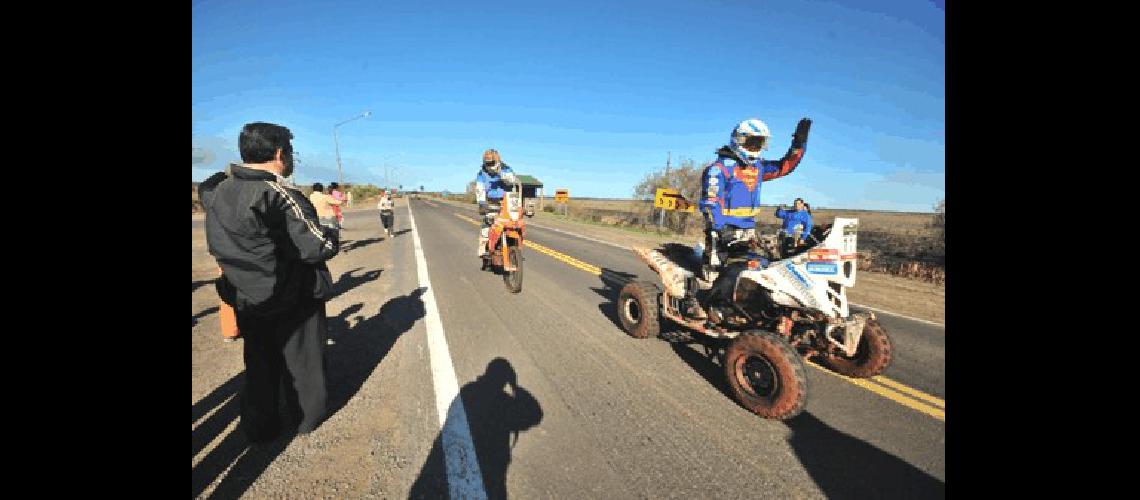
824	254
799	282
823	268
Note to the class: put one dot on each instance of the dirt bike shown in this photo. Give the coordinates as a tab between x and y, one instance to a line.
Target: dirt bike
778	315
505	239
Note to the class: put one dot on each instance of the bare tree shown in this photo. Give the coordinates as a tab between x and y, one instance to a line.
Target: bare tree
685	178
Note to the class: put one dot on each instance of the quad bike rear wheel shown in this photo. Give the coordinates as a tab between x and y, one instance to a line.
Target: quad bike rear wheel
638	310
513	279
766	375
871	357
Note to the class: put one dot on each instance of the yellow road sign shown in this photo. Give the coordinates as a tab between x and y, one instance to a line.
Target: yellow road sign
671	199
561	195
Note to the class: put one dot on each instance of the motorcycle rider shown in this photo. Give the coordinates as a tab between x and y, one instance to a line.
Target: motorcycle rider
730	200
490	184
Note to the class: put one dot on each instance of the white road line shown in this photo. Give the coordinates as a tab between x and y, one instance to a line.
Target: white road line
464	479
899	315
580	236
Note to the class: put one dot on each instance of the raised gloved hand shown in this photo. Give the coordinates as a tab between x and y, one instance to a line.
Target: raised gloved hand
799	139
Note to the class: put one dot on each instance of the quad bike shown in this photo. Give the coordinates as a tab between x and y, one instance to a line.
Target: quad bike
791	309
505	239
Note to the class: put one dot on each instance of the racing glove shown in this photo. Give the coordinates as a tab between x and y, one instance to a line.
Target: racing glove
799	139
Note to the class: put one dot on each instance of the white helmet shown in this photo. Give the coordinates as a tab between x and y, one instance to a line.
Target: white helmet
749	138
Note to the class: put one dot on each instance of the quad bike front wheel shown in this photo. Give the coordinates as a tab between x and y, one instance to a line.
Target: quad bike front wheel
638	309
766	375
871	357
513	279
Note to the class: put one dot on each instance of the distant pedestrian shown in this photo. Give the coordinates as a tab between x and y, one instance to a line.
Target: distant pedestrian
387	214
272	251
334	190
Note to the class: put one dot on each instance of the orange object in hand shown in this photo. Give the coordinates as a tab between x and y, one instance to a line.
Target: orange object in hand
228	317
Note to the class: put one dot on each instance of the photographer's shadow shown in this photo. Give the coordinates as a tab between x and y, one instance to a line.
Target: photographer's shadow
497	410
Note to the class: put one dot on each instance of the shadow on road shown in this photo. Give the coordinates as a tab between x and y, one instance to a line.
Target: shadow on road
497	410
842	465
361	344
347	281
248	463
612	282
205	312
402	231
359	243
194	285
358	351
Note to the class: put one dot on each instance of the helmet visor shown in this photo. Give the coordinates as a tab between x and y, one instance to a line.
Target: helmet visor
755	143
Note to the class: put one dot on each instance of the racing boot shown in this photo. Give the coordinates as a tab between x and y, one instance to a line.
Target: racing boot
483	235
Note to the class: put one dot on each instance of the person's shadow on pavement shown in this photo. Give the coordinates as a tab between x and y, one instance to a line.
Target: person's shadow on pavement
348	363
347	281
212	415
361	346
497	409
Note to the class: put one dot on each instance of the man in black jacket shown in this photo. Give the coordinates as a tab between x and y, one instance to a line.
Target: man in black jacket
272	251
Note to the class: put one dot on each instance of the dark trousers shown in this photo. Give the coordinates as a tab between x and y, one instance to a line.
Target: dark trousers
284	366
386	218
725	283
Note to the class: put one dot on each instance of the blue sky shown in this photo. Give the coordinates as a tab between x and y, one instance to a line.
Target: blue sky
586	95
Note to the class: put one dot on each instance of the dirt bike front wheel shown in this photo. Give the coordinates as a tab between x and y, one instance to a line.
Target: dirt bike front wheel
513	279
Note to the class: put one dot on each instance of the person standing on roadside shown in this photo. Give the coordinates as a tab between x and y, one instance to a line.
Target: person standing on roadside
266	238
334	190
325	206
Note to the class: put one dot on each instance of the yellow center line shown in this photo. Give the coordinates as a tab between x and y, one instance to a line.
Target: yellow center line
890	389
899	398
934	400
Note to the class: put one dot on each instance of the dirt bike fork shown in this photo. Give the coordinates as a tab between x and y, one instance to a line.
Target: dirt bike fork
506	254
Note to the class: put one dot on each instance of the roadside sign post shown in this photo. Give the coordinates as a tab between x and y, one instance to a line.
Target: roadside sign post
562	196
670	199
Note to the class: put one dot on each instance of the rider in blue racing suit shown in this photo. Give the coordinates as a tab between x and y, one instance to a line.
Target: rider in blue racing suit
490	184
730	200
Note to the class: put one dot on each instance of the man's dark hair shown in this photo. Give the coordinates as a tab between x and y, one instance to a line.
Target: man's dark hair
333	185
318	187
260	141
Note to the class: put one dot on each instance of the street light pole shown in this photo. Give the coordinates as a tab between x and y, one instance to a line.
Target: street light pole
336	142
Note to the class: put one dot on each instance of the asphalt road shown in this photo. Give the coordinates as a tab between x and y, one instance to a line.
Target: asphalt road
630	418
591	412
